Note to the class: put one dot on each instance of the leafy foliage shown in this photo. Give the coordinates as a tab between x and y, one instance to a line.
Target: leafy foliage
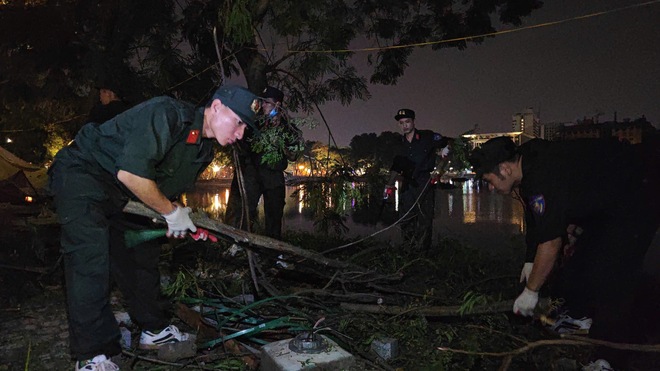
155	47
278	141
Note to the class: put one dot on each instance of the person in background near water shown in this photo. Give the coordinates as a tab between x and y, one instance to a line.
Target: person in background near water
414	163
110	104
604	187
151	153
260	178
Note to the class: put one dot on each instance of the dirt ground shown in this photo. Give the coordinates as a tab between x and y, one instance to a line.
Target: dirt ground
34	333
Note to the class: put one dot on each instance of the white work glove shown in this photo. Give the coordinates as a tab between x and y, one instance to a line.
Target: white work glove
178	222
526	302
526	271
444	152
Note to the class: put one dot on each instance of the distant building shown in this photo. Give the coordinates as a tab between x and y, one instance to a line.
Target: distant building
476	140
552	130
526	123
633	132
526	126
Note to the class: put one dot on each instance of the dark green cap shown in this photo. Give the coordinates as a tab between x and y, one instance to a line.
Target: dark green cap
240	100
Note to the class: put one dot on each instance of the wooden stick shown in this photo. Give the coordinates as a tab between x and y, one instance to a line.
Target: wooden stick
442	311
26	269
243	237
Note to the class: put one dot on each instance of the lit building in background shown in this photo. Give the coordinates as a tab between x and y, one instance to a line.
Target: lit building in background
526	126
476	140
526	123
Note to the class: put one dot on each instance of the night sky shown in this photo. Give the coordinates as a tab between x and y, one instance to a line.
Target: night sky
565	72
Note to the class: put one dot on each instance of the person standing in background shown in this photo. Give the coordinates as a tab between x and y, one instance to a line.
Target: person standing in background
414	163
260	177
111	103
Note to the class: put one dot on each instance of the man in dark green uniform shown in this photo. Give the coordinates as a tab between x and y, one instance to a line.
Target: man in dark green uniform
604	187
414	163
262	177
151	153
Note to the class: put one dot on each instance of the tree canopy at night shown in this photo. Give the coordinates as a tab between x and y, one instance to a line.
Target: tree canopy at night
54	52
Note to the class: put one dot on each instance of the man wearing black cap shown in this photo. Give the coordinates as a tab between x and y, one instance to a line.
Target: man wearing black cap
414	164
152	153
110	103
259	177
600	185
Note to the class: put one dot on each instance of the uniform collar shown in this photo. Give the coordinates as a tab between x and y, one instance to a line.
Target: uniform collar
414	137
194	131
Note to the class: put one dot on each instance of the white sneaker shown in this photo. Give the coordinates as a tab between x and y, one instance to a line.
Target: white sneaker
170	334
567	325
98	363
598	365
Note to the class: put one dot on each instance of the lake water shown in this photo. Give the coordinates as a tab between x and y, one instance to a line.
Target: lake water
467	212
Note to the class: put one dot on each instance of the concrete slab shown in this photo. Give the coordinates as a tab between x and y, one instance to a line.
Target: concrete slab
278	357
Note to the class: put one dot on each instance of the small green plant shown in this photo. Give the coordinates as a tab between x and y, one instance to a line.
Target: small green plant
182	285
470	300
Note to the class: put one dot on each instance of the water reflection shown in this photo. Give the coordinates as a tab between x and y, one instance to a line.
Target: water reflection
466	204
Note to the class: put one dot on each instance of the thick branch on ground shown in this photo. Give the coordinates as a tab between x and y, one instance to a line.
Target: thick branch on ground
26	269
573	341
353	296
621	346
246	238
443	311
517	351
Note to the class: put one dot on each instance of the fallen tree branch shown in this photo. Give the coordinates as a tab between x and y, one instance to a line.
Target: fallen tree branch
568	340
243	237
361	297
436	311
26	269
620	346
517	351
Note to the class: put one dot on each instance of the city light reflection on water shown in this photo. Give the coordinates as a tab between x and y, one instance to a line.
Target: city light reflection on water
466	204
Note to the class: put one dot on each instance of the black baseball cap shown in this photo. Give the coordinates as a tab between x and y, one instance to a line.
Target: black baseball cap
485	159
404	113
111	85
273	93
240	100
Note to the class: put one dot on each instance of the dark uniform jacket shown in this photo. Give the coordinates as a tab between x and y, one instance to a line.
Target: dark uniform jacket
576	181
416	159
101	113
160	139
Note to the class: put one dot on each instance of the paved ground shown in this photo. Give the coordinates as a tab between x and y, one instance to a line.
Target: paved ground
35	334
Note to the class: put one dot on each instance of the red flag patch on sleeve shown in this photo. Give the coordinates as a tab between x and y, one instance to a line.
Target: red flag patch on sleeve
193	136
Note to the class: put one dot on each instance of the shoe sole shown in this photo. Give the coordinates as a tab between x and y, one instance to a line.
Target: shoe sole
158	346
149	346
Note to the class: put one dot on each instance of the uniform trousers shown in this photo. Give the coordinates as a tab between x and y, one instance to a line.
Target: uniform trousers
258	181
417	226
89	206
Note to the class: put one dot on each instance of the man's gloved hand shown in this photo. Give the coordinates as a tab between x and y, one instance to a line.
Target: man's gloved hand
178	222
526	302
444	152
388	192
203	234
526	271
